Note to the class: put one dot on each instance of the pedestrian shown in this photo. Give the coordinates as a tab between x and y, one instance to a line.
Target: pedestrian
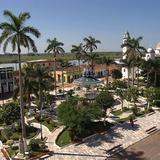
131	121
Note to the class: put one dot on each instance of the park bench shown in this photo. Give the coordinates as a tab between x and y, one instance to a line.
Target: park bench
151	113
151	130
114	150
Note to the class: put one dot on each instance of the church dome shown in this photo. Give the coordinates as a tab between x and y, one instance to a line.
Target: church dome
150	50
158	46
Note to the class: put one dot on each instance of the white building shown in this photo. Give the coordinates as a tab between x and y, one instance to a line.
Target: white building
124	56
151	54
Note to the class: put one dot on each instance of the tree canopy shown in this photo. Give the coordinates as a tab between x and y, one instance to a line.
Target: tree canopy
10	113
76	114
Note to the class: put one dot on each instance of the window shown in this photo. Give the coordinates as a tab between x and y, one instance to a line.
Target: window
124	70
3	75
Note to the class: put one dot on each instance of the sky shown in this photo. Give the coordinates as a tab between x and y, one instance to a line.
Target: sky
106	20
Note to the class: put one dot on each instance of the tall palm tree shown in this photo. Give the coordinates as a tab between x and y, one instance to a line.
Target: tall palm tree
55	47
107	61
134	50
16	33
44	80
156	70
29	84
128	64
146	67
79	52
63	64
91	45
122	94
138	63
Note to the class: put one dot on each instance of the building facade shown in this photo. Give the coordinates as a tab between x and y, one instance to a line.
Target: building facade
150	54
6	80
45	63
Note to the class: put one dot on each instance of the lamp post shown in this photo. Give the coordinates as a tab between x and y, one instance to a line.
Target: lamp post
41	121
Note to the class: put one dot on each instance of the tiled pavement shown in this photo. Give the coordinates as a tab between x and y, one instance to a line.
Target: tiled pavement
95	148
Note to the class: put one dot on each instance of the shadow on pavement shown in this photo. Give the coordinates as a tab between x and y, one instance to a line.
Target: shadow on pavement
50	154
128	155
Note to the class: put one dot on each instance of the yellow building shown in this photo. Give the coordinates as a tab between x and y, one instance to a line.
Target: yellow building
68	73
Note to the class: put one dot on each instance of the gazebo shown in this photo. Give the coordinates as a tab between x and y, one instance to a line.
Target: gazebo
88	80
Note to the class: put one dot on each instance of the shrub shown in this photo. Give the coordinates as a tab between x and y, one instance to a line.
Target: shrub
2	138
135	111
157	103
15	136
116	74
47	120
10	142
6	133
36	145
37	117
119	84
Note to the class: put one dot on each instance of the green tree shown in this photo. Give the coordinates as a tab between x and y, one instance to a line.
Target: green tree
10	113
132	94
116	74
29	84
105	101
55	47
122	94
149	93
127	63
76	115
155	70
79	53
63	64
16	33
91	45
107	61
134	50
44	81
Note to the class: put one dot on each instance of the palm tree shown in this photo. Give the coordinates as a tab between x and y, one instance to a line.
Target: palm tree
138	63
134	50
55	47
146	66
122	94
79	52
16	33
127	63
44	80
29	84
155	69
63	64
107	61
91	45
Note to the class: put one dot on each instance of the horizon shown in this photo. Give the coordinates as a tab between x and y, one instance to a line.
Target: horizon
105	20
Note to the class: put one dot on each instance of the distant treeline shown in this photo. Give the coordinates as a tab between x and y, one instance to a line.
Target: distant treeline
13	58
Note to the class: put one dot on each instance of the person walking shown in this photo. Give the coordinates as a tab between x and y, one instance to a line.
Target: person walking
131	121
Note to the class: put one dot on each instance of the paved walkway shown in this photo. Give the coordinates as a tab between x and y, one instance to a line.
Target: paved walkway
95	147
51	141
45	130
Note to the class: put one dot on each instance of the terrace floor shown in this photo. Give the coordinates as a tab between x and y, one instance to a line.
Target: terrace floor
97	146
147	149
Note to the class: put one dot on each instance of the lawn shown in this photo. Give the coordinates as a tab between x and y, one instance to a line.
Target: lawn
119	111
50	124
63	138
94	127
9	133
30	133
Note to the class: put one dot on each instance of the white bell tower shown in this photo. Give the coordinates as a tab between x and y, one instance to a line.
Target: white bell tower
126	36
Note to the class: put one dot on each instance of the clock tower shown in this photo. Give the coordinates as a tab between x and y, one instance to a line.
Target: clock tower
124	49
